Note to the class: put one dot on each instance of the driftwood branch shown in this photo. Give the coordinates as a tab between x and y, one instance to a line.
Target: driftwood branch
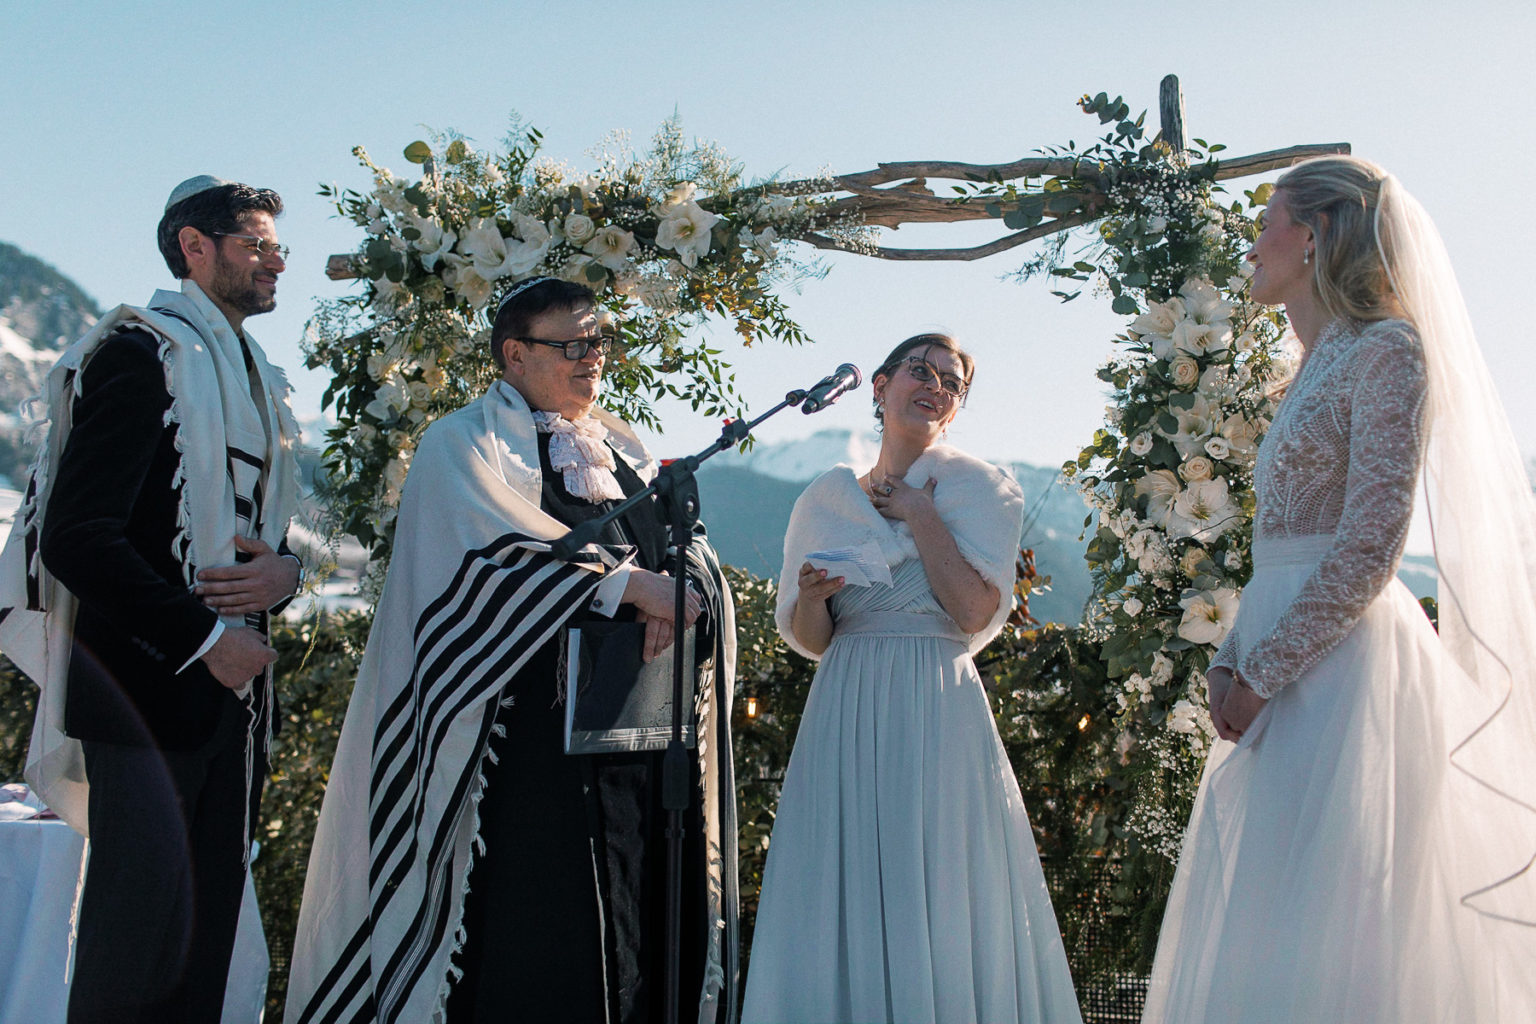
907	199
1041	230
1170	109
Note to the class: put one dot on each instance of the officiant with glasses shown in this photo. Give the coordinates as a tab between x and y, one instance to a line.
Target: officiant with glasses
480	851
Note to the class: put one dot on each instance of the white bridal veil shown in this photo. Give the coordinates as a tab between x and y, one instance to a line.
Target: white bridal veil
1483	520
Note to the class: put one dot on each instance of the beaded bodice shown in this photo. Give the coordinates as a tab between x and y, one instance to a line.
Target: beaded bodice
1342	458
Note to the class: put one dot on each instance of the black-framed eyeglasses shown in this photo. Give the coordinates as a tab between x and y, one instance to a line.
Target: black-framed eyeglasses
924	372
260	246
576	348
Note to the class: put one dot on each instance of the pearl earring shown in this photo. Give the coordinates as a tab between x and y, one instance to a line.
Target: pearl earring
1306	257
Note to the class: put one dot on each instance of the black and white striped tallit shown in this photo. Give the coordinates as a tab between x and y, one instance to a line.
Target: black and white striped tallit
225	402
471	593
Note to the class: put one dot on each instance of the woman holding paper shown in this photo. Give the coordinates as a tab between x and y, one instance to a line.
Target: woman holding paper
903	882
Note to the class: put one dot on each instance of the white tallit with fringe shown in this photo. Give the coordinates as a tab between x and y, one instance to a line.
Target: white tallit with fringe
966	492
471	594
214	409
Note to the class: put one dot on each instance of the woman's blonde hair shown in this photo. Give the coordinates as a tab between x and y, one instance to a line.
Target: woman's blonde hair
1337	198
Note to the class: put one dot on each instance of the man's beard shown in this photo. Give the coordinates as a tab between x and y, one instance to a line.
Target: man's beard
235	289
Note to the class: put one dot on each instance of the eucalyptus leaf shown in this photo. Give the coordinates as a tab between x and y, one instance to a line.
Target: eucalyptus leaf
418	152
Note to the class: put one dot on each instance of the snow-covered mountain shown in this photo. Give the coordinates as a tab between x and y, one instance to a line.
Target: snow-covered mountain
41	311
747	500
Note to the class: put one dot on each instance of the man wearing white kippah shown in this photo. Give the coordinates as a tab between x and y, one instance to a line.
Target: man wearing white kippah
468	867
150	548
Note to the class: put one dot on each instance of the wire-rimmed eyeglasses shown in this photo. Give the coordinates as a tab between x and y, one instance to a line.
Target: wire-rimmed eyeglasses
260	246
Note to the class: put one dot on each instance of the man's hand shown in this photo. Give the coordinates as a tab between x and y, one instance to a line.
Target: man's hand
238	656
252	586
652	594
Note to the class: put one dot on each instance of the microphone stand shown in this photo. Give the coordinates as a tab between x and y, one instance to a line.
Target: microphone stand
676	481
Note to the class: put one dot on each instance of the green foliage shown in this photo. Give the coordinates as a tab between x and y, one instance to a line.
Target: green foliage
18	707
667	239
317	665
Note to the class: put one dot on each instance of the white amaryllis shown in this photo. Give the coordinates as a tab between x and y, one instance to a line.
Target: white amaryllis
1160	487
610	247
391	399
1194	425
1208	615
435	241
1204	303
1203	511
686	229
495	257
1160	318
463	278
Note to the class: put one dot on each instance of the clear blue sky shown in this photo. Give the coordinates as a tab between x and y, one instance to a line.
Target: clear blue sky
107	105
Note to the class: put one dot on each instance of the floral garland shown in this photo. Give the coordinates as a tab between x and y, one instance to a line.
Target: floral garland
666	240
1170	475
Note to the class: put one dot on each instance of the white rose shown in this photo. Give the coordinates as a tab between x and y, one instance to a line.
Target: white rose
1132	606
1189	561
420	391
1157	224
579	228
1197	468
1184	371
1241	434
1233	560
1162	669
1136	543
1218	447
380	366
1141	444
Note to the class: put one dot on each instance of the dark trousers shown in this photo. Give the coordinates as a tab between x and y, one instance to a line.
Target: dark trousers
165	878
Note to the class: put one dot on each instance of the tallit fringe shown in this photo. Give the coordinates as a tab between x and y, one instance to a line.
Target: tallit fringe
74	912
476	845
182	540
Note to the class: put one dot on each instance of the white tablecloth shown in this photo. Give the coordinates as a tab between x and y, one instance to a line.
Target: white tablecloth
39	870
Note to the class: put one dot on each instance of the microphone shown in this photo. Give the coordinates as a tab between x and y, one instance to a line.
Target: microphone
829	389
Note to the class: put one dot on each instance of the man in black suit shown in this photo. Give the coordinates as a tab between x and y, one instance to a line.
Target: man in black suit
164	522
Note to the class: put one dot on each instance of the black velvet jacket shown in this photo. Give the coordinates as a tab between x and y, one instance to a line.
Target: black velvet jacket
108	536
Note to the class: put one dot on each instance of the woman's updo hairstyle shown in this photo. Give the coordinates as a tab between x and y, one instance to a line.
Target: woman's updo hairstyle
1337	197
920	341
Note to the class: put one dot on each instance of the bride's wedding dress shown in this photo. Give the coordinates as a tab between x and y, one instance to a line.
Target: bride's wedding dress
1323	873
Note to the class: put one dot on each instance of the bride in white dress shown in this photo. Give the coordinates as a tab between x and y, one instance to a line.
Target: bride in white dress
1360	848
902	883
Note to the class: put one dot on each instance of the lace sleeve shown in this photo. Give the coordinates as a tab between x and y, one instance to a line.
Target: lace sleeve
1385	423
1226	654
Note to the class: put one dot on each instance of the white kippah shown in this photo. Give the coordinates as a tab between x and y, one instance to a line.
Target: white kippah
192	186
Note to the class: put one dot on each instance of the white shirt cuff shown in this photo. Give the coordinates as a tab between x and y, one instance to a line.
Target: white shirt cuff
213	638
610	593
